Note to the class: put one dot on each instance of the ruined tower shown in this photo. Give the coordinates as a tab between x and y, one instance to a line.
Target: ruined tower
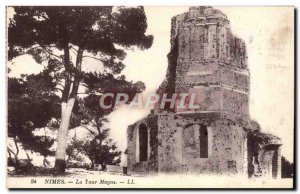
219	136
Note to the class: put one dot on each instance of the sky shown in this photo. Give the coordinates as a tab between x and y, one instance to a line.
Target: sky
269	36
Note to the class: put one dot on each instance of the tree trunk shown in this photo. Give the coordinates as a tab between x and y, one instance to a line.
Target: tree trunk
16	162
103	166
93	164
17	152
68	100
60	162
29	163
9	154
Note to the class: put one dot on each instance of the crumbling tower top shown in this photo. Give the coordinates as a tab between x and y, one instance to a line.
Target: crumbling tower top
209	29
207	59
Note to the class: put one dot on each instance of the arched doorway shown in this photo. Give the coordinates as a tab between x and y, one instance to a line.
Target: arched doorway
143	143
203	137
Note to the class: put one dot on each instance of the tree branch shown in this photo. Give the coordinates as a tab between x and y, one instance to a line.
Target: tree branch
17	147
60	85
59	89
77	77
10	151
51	53
68	82
83	84
95	124
92	132
73	48
93	58
74	52
99	130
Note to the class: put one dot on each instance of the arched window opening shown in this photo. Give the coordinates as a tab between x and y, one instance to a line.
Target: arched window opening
143	142
203	137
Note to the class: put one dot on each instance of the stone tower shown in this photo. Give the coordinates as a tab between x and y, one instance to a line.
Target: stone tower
219	136
207	59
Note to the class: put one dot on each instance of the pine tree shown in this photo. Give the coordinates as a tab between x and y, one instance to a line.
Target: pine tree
52	33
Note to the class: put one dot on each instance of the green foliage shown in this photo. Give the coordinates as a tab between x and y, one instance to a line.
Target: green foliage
96	29
49	34
32	104
99	149
287	168
102	151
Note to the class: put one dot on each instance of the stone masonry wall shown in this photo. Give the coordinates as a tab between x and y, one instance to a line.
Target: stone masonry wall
133	163
227	149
